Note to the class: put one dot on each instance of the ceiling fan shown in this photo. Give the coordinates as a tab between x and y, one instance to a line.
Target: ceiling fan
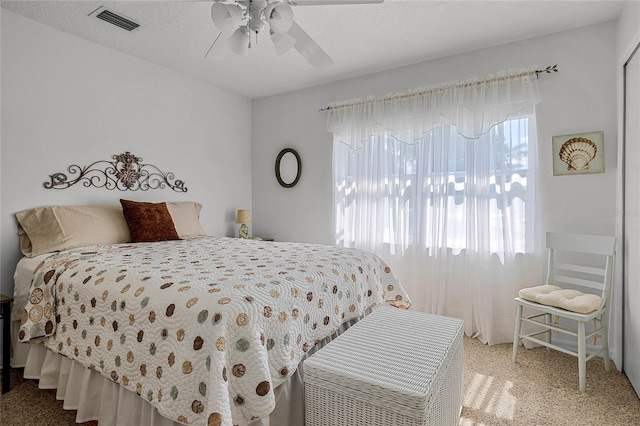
239	20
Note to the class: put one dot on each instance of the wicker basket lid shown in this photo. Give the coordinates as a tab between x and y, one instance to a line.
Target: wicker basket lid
391	358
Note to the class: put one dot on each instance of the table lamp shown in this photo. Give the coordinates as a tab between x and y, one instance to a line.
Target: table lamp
243	217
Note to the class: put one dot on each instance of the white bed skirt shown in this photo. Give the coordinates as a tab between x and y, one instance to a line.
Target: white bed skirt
99	399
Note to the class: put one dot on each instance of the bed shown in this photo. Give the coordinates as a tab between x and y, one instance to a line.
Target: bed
188	330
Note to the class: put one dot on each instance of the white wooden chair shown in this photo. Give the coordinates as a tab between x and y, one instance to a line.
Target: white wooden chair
567	303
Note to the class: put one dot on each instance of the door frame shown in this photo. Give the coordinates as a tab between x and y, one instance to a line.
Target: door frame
634	52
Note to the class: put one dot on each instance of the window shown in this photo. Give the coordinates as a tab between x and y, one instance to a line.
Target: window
444	191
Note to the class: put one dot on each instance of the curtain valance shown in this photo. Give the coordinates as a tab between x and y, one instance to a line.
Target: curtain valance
473	106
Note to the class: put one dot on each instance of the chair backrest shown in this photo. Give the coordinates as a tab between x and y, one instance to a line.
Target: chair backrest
576	273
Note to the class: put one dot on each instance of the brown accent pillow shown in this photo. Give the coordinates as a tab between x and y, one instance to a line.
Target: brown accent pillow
148	221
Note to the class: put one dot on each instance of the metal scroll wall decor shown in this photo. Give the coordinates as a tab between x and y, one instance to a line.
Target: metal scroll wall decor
126	173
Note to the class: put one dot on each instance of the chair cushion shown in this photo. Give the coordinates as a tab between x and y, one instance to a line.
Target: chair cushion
571	300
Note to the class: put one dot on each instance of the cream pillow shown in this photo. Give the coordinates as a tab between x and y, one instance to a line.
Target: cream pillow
186	218
47	229
571	300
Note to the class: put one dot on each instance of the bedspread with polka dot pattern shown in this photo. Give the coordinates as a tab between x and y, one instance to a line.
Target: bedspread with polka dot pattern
204	329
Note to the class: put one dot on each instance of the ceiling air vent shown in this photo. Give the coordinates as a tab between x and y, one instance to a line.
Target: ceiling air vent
114	18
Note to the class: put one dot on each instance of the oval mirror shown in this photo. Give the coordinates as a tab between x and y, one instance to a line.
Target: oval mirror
288	167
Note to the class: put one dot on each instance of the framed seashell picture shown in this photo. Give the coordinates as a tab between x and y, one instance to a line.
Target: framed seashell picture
579	153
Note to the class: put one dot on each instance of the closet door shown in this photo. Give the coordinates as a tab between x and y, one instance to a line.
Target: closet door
632	220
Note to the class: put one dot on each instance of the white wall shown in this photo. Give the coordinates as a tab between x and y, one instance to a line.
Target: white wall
579	98
628	29
69	101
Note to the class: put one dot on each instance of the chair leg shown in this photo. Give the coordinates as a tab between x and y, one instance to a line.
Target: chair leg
516	334
582	357
604	335
547	334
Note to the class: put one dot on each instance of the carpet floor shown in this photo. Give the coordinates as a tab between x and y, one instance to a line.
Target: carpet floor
542	389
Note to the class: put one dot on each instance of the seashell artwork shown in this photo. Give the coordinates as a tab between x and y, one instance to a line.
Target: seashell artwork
578	153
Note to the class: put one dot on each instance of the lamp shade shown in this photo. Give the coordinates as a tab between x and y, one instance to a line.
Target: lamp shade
239	41
279	16
282	42
243	216
226	17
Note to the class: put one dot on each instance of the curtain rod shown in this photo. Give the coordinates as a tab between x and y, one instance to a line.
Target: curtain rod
548	70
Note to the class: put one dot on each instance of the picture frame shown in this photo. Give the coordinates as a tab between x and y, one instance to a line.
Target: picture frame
578	153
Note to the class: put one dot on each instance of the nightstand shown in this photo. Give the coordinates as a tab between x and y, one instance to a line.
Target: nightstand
5	315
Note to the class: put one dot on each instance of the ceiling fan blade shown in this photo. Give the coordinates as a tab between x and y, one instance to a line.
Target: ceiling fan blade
308	48
215	51
330	2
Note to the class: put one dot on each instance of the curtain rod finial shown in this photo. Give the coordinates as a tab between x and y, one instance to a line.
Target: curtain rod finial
548	70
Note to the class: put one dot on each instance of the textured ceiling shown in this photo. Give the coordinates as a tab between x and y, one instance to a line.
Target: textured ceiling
360	38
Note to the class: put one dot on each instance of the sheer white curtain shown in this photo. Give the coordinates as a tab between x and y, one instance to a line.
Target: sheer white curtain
441	182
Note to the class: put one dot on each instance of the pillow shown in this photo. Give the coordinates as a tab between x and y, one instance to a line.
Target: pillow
148	222
54	228
571	300
185	216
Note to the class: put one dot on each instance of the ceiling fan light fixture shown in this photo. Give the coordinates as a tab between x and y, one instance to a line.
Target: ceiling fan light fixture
239	41
279	16
282	42
247	18
226	16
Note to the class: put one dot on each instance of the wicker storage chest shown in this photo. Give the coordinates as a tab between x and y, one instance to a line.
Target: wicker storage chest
394	367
